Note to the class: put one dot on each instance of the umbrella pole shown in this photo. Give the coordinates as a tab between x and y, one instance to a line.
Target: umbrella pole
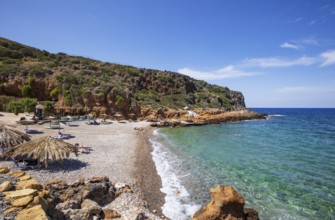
46	161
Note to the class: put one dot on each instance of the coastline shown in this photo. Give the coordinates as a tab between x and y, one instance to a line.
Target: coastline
148	181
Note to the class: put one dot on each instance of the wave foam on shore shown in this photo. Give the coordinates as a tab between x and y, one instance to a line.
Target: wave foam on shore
177	199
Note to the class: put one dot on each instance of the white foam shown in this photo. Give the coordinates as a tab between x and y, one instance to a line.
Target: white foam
176	205
277	115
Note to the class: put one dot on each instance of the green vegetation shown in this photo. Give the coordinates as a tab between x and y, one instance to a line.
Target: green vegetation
21	105
54	92
26	90
118	100
73	78
48	107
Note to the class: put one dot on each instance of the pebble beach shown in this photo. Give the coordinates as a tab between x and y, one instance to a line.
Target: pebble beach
120	151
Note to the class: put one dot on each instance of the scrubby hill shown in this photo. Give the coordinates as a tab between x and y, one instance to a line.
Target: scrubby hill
81	85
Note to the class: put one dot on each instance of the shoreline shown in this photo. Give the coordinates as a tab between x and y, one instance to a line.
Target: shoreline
146	175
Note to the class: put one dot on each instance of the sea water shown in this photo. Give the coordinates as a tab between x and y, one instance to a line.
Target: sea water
283	166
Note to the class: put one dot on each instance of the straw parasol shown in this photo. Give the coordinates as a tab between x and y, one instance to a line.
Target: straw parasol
10	137
43	148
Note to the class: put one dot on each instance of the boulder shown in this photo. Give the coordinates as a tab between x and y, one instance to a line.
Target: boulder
93	207
39	200
98	179
33	213
226	204
70	204
251	214
28	184
97	192
78	214
21	202
109	214
5	186
120	188
17	174
24	177
11	210
10	195
4	170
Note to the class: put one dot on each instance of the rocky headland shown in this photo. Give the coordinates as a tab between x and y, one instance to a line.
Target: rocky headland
76	85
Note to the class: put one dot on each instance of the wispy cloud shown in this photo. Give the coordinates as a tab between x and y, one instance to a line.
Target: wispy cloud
297	20
328	57
312	22
304	90
300	43
309	41
298	89
93	17
223	73
277	62
289	46
237	71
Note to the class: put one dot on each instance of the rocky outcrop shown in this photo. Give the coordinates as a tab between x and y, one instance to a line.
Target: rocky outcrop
24	198
226	204
204	117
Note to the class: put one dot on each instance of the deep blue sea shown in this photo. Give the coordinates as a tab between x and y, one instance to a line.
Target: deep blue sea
283	166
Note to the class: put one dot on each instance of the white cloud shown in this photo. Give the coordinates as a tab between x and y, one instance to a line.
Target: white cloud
224	73
290	46
276	62
304	90
329	58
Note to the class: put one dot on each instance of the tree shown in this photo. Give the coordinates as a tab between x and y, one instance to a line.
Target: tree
48	107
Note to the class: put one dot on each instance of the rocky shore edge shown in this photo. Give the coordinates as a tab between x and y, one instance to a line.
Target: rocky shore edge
201	117
22	197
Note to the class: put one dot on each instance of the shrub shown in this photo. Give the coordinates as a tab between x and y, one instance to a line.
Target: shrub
31	81
26	90
54	92
28	104
48	107
15	107
118	99
100	94
68	100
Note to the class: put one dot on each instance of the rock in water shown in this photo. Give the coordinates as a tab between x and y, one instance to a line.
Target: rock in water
226	204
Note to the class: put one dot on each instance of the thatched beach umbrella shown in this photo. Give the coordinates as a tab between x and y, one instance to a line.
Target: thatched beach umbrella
10	137
43	148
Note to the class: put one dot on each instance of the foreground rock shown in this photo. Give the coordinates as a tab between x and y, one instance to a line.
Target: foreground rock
226	204
24	198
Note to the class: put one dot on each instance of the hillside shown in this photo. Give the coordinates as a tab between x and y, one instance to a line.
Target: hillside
80	85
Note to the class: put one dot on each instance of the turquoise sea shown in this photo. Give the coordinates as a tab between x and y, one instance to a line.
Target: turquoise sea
283	166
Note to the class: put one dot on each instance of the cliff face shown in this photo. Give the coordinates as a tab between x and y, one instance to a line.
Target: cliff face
79	85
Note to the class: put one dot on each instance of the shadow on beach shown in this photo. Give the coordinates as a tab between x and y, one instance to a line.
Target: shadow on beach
66	165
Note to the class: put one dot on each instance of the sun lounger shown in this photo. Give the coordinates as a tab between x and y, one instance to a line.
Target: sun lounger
92	122
26	164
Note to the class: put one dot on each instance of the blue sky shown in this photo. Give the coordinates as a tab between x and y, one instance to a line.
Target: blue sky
279	53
